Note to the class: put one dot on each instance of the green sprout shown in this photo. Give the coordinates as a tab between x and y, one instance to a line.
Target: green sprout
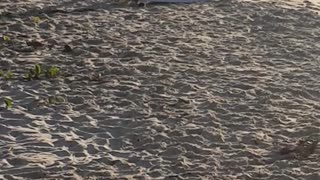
52	72
6	38
34	73
8	102
37	70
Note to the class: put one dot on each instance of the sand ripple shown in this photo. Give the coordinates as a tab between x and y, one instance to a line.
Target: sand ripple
202	91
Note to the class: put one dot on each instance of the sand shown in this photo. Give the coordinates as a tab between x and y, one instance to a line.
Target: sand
219	90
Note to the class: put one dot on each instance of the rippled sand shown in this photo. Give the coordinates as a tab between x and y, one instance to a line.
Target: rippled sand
201	91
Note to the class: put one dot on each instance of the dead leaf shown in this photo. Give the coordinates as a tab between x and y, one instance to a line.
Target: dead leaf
35	44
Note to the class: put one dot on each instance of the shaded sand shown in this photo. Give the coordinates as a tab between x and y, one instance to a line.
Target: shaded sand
202	91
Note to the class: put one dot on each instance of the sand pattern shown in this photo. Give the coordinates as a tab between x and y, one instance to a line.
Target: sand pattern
220	90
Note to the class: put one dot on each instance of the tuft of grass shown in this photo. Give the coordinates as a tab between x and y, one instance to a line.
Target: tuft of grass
8	102
6	75
36	72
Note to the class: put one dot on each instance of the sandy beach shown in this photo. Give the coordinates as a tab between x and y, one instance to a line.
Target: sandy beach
98	89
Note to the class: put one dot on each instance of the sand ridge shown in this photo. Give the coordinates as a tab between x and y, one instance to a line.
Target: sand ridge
201	91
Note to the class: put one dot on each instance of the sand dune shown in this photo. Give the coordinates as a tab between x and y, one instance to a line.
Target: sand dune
218	90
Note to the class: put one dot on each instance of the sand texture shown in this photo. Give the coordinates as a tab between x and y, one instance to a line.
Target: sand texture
220	90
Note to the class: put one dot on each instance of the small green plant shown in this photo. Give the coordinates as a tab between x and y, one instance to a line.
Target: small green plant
52	100
35	19
52	72
6	75
28	77
60	99
55	100
6	38
9	75
37	71
34	73
8	102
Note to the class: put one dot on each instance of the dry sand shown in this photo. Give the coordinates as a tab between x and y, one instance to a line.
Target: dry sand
201	91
